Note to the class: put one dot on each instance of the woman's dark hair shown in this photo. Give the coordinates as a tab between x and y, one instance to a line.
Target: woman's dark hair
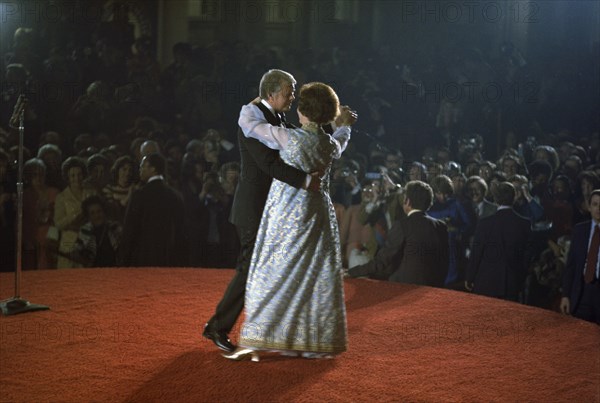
31	166
118	164
318	102
92	201
73	162
97	159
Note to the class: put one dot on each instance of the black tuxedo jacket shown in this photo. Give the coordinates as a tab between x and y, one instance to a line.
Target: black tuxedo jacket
500	255
154	228
572	284
415	252
259	165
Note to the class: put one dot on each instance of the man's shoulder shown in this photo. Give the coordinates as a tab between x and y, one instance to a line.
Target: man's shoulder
420	218
582	227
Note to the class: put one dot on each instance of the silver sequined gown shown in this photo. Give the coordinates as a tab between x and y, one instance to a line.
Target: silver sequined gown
294	294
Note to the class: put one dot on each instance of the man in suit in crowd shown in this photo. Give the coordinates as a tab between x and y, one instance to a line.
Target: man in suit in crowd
416	248
501	250
581	278
153	231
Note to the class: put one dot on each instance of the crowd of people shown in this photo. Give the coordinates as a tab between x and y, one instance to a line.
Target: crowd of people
83	155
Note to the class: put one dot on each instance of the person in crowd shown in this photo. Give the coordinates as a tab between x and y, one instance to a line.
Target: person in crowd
477	189
68	216
559	208
98	239
193	171
38	214
496	178
394	163
93	110
416	249
580	282
381	205
216	253
540	175
418	171
500	256
149	147
459	183
98	174
345	183
525	205
357	237
295	275
118	191
572	167
458	223
511	165
434	169
195	148
52	157
229	176
154	227
586	182
547	153
486	170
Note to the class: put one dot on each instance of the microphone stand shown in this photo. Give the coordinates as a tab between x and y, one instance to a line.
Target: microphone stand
16	304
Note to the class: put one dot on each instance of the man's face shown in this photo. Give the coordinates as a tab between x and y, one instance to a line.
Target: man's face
476	193
595	207
392	162
146	171
282	101
510	167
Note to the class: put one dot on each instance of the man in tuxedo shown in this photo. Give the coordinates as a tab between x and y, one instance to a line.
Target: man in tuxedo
501	250
581	284
416	248
259	165
153	231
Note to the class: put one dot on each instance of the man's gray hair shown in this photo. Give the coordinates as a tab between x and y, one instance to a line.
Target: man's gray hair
271	81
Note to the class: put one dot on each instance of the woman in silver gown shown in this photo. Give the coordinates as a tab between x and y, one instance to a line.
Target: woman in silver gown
294	294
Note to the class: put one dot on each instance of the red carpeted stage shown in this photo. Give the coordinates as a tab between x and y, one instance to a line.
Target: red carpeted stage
133	335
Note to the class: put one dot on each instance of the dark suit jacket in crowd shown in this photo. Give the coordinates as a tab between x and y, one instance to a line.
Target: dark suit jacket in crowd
500	255
572	285
259	164
489	208
154	228
415	252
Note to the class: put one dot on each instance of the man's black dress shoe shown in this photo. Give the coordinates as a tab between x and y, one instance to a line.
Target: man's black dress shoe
219	338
